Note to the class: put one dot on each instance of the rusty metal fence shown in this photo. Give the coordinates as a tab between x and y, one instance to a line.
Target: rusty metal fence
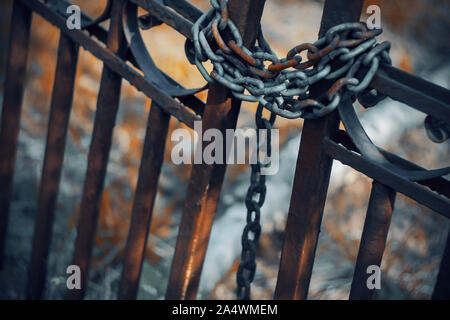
322	142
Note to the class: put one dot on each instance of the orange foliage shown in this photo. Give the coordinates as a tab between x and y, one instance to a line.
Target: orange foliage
405	63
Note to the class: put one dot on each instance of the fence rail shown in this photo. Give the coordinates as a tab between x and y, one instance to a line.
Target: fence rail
124	57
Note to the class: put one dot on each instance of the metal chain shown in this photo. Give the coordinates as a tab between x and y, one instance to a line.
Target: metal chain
282	85
254	201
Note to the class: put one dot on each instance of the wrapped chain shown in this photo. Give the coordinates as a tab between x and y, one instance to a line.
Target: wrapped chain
282	87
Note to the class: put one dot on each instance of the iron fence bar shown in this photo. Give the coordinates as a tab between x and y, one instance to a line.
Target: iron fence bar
429	88
373	239
169	17
439	184
200	205
60	108
389	178
185	8
144	199
414	91
115	63
441	289
206	180
11	110
105	117
311	180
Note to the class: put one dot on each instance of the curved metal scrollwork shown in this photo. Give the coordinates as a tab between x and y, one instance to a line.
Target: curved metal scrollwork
367	148
143	58
437	130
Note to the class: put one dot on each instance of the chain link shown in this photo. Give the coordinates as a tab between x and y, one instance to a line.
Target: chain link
254	200
282	86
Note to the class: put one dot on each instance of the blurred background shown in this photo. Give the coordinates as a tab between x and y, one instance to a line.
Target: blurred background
419	32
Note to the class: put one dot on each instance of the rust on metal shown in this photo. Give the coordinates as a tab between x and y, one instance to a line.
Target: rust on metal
336	87
299	49
373	239
311	180
144	199
205	183
105	117
262	73
441	289
224	8
60	108
321	142
216	34
12	106
277	67
323	52
241	53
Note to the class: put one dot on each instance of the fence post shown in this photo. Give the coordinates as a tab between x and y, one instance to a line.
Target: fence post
58	122
373	239
12	106
311	180
442	287
105	118
205	183
144	199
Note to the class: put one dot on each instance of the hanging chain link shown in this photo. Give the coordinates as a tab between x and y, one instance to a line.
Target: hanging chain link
282	86
254	200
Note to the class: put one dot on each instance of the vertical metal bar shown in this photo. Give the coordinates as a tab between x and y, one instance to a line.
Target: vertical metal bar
205	184
149	171
373	239
12	106
105	117
441	289
54	154
311	180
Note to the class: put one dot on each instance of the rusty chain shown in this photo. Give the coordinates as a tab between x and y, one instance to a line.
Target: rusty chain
254	200
282	87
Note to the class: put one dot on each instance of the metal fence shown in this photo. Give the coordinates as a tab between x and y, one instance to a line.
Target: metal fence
322	142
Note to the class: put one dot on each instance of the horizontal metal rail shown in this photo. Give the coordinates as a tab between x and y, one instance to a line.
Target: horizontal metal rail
419	94
438	184
116	64
386	176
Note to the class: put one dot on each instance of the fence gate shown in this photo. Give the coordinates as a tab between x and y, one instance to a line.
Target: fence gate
322	140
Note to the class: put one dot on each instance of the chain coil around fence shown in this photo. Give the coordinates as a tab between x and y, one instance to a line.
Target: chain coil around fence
282	86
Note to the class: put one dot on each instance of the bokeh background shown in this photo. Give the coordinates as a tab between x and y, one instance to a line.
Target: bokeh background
419	32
